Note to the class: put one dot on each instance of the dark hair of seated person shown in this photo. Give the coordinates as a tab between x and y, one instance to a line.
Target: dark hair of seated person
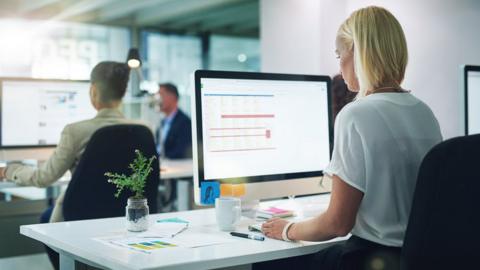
171	88
111	80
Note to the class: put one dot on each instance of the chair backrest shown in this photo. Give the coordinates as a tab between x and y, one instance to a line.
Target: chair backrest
444	224
110	149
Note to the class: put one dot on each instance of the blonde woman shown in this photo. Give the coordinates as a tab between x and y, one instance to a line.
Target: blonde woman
380	141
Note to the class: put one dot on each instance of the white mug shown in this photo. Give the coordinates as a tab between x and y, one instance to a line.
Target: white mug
228	211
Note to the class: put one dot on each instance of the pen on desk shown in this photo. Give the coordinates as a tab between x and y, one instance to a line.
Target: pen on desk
248	235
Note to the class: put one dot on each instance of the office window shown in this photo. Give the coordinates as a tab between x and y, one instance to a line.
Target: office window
60	50
172	58
57	50
234	53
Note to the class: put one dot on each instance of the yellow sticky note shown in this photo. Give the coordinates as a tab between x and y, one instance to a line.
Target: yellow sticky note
232	190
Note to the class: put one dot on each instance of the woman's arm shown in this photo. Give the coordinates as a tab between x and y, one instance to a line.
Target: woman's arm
49	172
338	220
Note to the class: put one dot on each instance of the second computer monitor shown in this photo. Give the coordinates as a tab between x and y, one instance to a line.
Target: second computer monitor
35	111
271	132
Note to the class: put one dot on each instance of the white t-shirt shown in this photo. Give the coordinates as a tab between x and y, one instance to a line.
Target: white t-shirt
380	141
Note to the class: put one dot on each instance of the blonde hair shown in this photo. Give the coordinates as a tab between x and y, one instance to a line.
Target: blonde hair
379	48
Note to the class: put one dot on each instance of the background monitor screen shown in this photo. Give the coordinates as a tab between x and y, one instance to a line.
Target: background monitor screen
472	95
259	127
34	112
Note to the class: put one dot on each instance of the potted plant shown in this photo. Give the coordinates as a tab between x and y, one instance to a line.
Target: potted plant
137	206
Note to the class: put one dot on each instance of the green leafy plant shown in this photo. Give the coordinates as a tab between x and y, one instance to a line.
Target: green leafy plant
141	168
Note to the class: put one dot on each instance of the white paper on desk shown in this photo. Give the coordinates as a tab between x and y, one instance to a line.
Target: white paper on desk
166	229
144	245
186	240
193	240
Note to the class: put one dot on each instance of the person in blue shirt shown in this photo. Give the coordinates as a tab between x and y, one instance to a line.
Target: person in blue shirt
174	135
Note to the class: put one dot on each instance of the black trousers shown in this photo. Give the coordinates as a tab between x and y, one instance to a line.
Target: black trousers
354	254
52	255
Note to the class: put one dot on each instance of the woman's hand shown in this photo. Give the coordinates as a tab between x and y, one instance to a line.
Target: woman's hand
273	228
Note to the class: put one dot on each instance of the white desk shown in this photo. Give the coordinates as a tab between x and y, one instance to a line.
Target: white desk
74	242
170	169
178	168
61	182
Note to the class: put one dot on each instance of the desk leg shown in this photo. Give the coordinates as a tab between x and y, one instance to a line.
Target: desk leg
184	189
49	193
66	262
52	192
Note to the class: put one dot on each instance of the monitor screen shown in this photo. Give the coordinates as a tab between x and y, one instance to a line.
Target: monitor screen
260	127
34	112
472	100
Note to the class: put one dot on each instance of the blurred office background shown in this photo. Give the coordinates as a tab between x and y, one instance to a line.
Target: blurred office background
64	39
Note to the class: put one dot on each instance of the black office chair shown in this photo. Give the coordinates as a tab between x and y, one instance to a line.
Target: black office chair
444	225
110	149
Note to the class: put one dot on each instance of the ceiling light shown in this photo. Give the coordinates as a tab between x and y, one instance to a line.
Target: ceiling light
133	58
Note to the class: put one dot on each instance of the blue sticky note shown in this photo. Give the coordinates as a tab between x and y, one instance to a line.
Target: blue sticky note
210	190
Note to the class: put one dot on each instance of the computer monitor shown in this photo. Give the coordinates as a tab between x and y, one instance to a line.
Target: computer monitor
270	132
35	111
471	83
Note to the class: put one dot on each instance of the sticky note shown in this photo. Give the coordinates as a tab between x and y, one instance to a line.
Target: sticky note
232	190
210	190
172	220
164	244
141	246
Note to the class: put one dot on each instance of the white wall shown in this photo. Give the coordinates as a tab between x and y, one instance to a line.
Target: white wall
296	35
441	36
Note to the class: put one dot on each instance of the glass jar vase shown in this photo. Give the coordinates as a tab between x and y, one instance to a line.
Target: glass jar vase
137	214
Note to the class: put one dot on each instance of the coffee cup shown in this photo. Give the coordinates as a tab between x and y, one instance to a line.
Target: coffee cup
228	212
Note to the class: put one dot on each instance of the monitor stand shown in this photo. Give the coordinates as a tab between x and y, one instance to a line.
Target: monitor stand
249	208
304	207
292	204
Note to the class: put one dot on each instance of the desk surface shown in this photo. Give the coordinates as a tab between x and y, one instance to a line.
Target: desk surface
178	168
169	169
74	239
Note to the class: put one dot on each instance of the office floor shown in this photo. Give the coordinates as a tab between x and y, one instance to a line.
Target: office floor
41	262
36	261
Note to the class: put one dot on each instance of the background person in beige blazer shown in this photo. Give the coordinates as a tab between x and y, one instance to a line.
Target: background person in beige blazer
108	86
